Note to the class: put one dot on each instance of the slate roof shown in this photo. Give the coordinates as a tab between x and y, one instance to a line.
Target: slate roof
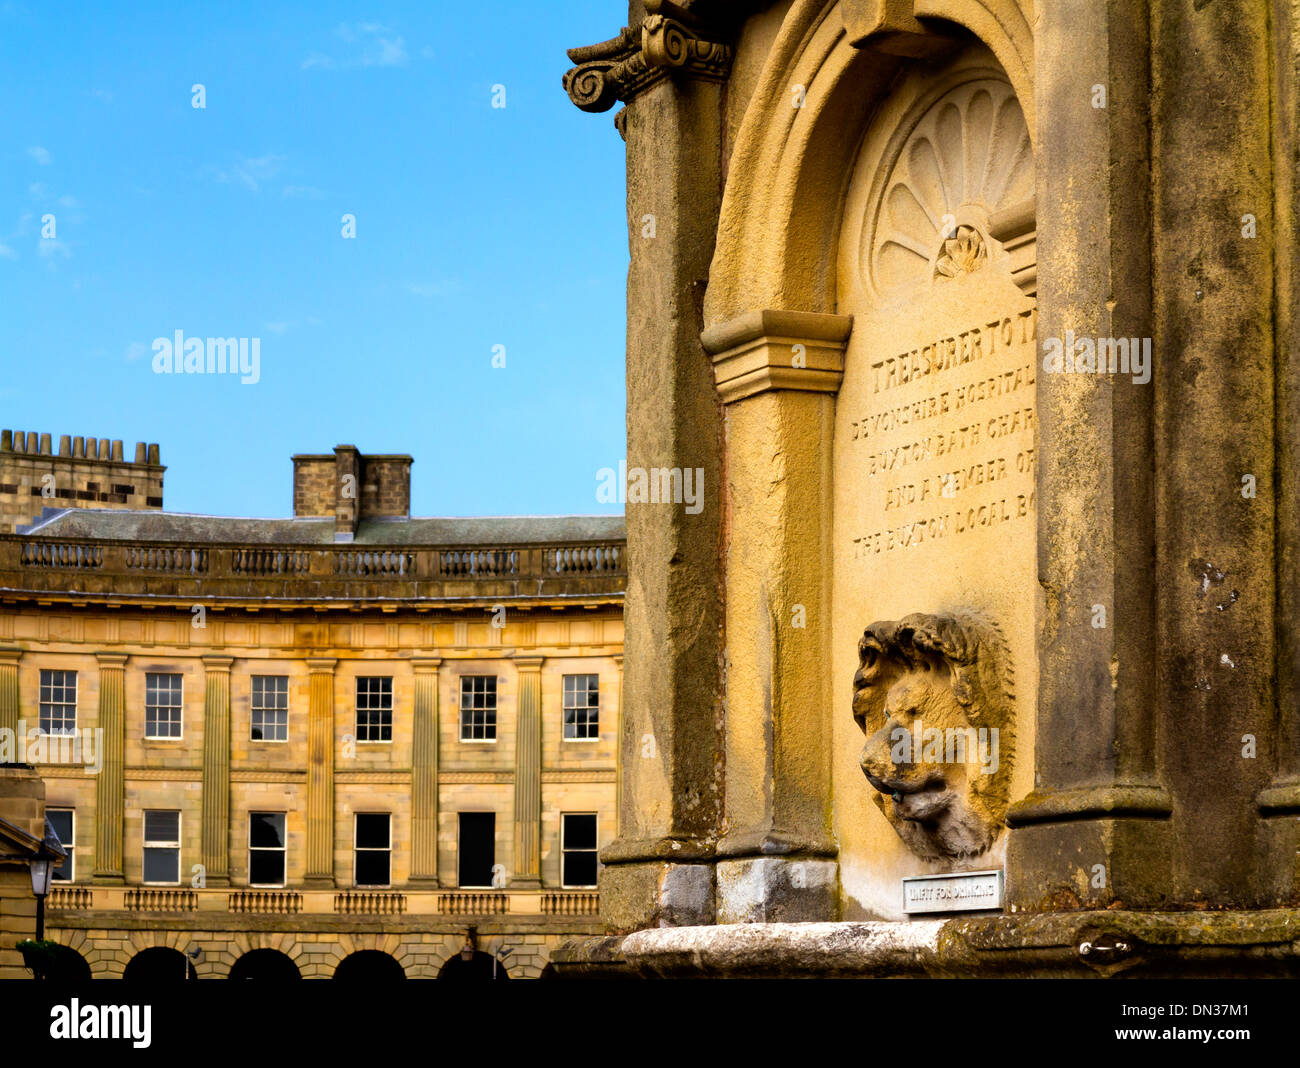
113	524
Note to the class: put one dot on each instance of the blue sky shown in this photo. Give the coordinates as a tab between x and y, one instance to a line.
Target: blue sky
475	227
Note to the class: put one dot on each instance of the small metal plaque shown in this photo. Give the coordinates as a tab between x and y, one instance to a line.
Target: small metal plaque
964	891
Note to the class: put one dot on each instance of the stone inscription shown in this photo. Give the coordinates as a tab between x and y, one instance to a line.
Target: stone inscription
948	445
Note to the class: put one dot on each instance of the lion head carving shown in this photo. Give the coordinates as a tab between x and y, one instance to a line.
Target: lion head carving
933	696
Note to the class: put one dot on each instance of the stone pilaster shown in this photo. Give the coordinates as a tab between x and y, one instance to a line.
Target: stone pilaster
1282	797
110	785
618	751
215	839
424	775
9	688
320	773
1216	449
1096	825
528	774
777	372
667	67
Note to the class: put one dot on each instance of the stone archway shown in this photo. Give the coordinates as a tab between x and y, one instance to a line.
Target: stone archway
781	209
265	964
369	965
159	964
933	471
480	966
66	965
784	310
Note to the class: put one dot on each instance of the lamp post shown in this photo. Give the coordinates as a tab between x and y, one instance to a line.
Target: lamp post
42	866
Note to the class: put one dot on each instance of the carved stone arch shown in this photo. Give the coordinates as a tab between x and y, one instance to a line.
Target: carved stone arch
283	942
840	76
779	225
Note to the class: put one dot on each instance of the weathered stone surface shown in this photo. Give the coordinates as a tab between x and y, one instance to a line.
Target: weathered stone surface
776	890
955	181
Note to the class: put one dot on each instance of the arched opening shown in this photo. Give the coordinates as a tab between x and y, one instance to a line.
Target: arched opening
264	964
159	964
367	965
933	469
895	210
63	964
479	966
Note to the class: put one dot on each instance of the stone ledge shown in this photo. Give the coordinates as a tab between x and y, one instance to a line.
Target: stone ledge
1045	945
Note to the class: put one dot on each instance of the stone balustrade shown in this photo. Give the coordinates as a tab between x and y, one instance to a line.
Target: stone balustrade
69	899
119	569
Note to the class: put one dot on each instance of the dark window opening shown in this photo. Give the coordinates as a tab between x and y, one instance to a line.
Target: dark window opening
476	852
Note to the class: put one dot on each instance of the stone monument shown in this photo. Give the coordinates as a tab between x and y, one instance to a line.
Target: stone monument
992	608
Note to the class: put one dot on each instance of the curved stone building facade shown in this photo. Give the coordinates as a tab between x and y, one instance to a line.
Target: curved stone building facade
349	731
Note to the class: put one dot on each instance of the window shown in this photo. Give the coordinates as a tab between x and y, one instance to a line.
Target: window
581	708
162	847
578	849
58	702
478	708
373	849
266	849
476	848
63	820
375	709
270	708
162	706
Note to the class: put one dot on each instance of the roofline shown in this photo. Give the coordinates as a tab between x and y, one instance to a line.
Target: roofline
317	604
31	529
364	455
22	838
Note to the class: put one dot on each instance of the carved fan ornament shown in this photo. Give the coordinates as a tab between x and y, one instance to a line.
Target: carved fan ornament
967	158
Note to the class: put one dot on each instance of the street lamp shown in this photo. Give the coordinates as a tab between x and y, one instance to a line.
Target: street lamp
42	865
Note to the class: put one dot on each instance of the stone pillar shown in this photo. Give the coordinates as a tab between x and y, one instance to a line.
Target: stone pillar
1215	451
9	689
618	750
215	848
1283	797
1099	805
320	774
1157	803
777	373
110	785
659	870
528	774
424	776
